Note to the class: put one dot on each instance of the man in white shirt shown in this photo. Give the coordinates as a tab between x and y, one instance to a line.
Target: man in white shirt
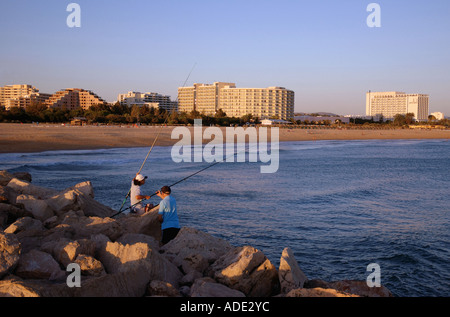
136	197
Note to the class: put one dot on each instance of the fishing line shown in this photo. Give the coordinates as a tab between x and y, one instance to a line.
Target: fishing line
182	180
154	141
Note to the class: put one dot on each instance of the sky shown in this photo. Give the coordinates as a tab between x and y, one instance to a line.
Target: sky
321	49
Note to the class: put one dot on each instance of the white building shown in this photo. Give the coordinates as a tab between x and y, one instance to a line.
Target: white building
388	104
150	99
438	115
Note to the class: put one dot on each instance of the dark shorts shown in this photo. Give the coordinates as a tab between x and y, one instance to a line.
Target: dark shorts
169	234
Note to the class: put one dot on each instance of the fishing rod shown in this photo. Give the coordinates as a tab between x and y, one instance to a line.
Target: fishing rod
180	181
154	142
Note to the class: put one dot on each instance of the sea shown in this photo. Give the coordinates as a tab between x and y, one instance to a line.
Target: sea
338	205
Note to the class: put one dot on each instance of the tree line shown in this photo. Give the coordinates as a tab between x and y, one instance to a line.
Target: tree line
116	114
122	114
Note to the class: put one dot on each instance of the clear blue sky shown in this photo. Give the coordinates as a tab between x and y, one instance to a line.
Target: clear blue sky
321	49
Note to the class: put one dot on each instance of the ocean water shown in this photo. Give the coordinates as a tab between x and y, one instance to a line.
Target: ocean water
339	205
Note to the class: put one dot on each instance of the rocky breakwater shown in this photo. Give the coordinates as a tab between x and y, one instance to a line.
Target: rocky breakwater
43	231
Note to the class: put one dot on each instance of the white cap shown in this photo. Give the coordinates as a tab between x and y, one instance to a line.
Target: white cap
140	178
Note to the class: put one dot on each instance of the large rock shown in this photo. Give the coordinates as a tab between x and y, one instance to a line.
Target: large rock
137	259
38	265
79	197
247	270
15	287
28	231
360	288
9	253
26	188
37	207
85	227
318	292
207	287
195	250
66	251
289	273
147	223
89	266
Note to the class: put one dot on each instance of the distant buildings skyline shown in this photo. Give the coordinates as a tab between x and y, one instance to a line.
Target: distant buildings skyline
271	102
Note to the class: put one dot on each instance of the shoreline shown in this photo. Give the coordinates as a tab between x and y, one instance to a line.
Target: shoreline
32	138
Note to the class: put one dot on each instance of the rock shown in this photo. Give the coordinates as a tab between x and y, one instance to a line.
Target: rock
24	176
25	226
196	249
7	195
147	224
161	288
25	188
13	211
84	227
90	266
317	292
360	288
38	265
37	207
29	232
247	270
5	177
79	197
65	251
207	287
16	288
190	278
9	253
289	273
132	238
137	259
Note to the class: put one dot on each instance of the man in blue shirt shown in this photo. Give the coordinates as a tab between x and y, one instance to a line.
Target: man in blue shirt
168	215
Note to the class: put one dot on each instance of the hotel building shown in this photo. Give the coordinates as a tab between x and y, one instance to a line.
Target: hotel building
21	96
272	102
74	98
388	104
150	99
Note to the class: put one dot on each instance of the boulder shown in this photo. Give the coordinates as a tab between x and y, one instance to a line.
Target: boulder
26	188
9	253
38	265
137	259
65	251
161	288
89	266
13	211
317	292
5	177
7	195
132	238
147	223
37	207
79	197
289	273
360	288
28	231
247	270
14	287
207	287
84	227
195	250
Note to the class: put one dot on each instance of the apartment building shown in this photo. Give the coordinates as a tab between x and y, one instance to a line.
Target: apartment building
388	104
20	96
151	99
74	98
26	101
271	102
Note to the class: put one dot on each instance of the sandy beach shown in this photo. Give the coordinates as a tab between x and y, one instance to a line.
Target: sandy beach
25	138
